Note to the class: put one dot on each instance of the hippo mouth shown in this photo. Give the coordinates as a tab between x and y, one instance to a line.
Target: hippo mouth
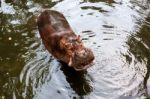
84	67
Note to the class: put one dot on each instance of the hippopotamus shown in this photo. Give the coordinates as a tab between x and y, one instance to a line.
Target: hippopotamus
60	40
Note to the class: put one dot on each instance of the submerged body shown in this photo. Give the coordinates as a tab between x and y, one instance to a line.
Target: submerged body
62	42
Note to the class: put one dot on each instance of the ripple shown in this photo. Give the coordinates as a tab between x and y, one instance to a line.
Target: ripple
6	8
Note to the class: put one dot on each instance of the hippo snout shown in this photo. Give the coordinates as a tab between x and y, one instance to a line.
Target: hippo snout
83	59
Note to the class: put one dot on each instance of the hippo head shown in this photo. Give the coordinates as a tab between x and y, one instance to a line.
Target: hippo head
80	57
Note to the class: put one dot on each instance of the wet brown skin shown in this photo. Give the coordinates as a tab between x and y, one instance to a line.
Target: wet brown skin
62	42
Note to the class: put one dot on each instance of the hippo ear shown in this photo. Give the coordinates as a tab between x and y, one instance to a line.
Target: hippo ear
78	37
62	43
80	40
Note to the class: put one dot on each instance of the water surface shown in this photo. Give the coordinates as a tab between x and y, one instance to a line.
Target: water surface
118	32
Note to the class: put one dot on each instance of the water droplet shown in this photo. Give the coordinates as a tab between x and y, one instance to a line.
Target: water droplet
16	44
10	38
3	97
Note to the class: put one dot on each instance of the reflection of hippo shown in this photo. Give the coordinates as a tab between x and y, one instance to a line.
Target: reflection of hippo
61	41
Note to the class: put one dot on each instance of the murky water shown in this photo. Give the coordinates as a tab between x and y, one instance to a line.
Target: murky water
118	32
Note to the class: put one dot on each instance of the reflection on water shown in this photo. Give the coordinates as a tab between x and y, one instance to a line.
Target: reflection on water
107	1
139	45
77	80
116	30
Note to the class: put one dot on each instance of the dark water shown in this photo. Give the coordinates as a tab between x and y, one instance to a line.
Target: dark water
118	32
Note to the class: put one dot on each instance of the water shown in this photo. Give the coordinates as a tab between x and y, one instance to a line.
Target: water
117	31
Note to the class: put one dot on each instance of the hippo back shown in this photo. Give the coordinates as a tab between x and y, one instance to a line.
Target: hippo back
55	19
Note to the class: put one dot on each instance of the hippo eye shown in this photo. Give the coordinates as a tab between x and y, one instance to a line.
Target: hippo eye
68	45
